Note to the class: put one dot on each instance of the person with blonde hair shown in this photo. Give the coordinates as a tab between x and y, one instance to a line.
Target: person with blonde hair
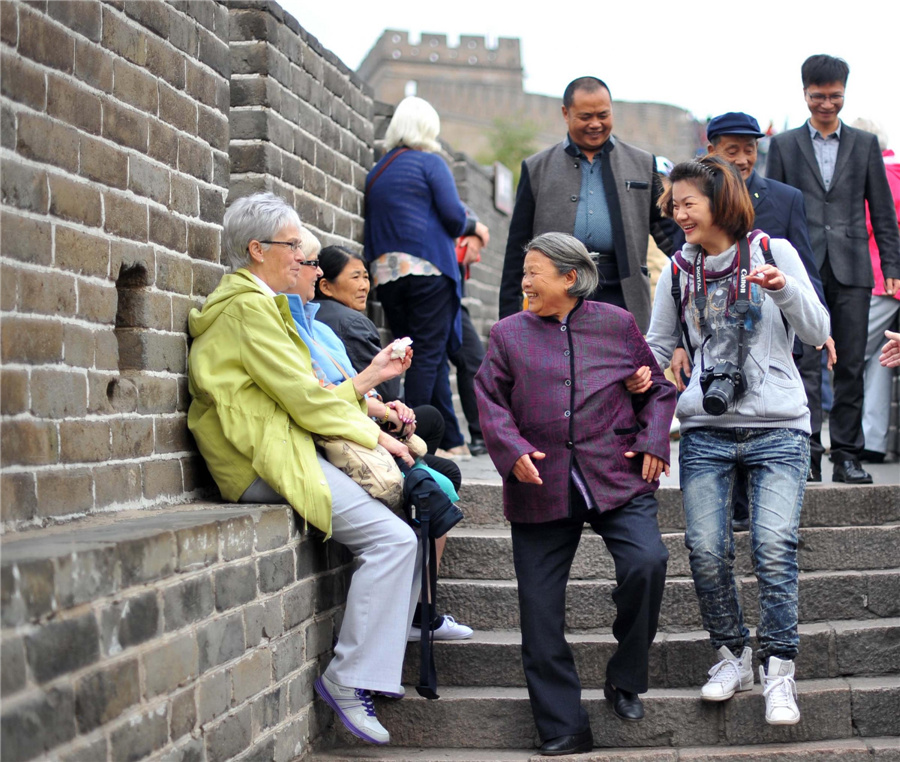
413	216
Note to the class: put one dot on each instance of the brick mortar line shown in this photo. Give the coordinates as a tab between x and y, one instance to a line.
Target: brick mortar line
57	319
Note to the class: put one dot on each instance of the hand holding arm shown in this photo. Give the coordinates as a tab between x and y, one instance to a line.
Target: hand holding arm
639	381
396	448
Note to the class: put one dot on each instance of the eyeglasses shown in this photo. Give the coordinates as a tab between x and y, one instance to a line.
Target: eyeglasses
295	245
310	263
822	97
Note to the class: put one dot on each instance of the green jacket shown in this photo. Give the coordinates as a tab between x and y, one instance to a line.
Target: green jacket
256	400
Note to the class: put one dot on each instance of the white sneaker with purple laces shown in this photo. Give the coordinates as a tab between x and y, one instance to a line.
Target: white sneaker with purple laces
355	709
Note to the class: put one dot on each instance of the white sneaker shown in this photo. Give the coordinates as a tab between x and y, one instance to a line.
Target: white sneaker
450	629
780	692
354	708
729	675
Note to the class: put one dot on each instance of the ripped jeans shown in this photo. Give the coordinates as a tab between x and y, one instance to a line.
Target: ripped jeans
775	462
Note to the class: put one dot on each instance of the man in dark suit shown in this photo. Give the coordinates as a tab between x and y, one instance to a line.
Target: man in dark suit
780	213
838	169
597	188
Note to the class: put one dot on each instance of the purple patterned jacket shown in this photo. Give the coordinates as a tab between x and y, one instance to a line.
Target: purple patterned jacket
559	389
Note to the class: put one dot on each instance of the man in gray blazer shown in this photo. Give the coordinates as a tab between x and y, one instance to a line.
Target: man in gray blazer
839	169
597	188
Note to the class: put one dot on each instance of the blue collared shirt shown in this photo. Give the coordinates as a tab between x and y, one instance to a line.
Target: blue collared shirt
826	150
593	225
325	347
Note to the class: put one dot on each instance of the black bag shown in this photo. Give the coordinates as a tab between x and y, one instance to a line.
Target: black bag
428	508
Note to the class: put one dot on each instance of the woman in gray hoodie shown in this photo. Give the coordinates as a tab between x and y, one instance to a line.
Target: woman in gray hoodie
738	300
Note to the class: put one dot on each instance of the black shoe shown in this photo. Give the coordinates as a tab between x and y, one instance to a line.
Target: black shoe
576	744
870	456
626	706
815	470
477	447
850	472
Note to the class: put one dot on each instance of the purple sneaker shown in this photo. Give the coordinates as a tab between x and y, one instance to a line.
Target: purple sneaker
354	708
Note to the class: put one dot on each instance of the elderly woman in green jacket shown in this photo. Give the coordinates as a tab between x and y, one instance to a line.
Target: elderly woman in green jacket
255	405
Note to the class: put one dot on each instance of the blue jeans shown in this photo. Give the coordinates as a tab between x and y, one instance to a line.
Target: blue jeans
775	462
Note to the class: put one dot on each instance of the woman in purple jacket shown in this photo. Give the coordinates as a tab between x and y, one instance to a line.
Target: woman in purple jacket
413	216
574	446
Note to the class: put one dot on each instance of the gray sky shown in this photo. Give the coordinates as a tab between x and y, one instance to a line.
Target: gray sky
705	59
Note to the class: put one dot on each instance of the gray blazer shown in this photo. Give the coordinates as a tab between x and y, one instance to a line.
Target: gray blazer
547	201
837	217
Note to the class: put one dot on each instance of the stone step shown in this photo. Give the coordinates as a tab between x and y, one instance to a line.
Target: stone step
827	650
824	505
883	749
500	718
824	596
486	553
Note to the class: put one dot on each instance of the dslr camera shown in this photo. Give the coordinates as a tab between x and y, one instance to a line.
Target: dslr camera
721	385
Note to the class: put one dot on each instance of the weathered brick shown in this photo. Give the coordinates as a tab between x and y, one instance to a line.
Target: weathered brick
172	435
7	127
155	394
212	126
58	393
206	277
198	546
9	286
44	42
221	169
93	65
23	82
299	603
73	103
84	441
85	575
170	665
147	559
123	38
132	437
269	710
213	696
203	242
263	621
194	158
131	264
214	53
76	201
183	36
97	301
235	585
29	443
117	484
162	478
47	142
251	675
142	350
276	570
176	109
167	229
86	751
146	178
140	736
229	737
81	252
30	340
125	217
12	666
153	16
143	308
62	493
35	586
37	724
163	61
220	640
9	24
24	186
106	353
47	293
125	126
184	196
62	646
104	163
188	602
183	714
82	16
18	496
237	537
104	695
289	653
78	345
13	391
173	273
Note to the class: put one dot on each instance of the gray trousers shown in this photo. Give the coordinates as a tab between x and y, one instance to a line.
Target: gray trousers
372	642
877	379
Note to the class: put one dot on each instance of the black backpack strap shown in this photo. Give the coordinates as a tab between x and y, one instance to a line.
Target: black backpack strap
797	350
679	309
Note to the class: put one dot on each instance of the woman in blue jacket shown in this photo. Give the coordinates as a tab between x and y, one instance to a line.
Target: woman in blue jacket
413	216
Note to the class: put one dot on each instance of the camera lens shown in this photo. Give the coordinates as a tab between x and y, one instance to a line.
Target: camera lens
718	397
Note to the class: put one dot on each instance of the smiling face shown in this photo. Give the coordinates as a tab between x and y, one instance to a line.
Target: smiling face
350	287
547	291
739	150
693	213
825	103
277	266
589	119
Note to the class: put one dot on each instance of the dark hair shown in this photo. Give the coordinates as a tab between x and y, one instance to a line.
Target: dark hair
332	261
822	69
722	184
588	84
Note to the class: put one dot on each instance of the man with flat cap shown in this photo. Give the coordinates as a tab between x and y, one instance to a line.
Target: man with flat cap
597	188
780	213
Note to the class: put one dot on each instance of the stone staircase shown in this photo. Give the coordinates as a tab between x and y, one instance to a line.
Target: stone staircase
848	669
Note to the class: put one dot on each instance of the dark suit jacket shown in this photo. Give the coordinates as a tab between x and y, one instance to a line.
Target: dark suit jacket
547	201
780	213
837	218
559	389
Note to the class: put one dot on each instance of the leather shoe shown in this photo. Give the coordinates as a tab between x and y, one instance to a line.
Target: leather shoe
477	447
626	705
815	470
850	472
575	744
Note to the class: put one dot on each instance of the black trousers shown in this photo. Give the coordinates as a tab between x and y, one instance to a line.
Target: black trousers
467	360
543	556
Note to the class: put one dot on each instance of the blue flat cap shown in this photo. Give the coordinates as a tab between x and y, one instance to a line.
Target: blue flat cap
733	123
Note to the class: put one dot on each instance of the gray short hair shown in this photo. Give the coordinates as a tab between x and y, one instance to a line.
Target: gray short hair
309	244
415	124
567	253
257	217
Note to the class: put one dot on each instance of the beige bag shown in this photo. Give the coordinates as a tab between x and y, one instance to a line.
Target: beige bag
416	445
373	470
